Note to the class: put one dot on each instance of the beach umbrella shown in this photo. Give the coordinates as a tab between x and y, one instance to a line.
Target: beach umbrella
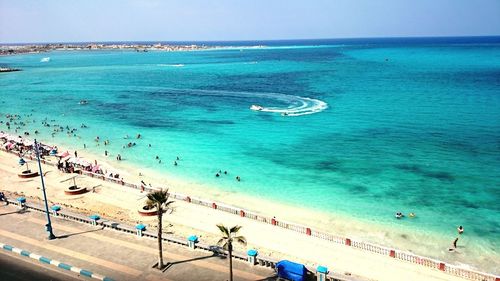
95	168
53	152
28	143
66	159
64	154
9	145
72	160
84	163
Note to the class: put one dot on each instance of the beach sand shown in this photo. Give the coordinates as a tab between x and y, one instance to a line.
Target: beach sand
121	203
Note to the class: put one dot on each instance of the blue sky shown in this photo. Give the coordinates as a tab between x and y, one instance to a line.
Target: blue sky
135	20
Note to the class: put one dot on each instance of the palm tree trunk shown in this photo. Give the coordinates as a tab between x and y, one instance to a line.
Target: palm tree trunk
160	247
230	250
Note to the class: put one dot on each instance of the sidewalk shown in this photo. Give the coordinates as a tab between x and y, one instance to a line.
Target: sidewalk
117	255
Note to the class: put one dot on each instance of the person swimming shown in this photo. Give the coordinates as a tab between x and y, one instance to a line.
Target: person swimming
460	229
399	215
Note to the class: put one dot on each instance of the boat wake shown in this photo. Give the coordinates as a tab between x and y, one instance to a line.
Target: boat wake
287	105
300	106
295	105
171	65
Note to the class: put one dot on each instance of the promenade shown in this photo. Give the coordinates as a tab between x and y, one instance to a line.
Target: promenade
113	254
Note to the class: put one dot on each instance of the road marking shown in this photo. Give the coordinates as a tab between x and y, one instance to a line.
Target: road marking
64	251
122	243
49	268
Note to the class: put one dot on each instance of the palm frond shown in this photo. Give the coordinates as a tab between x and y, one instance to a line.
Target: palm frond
235	229
240	239
223	243
159	196
224	230
167	204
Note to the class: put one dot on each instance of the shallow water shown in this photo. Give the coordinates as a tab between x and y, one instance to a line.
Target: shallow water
404	127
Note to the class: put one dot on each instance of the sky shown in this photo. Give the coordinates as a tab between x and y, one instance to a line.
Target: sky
23	21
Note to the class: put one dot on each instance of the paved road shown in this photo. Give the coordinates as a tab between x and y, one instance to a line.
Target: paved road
16	268
113	254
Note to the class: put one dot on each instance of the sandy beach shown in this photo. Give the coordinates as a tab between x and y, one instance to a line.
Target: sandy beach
121	203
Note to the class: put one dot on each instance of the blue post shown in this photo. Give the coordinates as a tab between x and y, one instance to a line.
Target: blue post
55	209
321	273
192	240
140	228
22	203
49	224
94	219
252	256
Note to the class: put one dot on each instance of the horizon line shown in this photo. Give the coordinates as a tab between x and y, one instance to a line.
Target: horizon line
250	40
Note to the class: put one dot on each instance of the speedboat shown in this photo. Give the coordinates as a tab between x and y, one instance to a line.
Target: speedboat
83	102
256	107
47	59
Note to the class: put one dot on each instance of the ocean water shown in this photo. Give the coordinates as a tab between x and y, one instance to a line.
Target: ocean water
373	126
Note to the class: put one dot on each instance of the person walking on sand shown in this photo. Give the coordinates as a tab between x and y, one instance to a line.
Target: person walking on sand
454	245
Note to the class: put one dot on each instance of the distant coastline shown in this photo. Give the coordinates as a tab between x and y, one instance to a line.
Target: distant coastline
41	48
170	46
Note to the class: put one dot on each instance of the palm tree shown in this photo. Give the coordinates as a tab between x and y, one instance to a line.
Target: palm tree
228	237
159	200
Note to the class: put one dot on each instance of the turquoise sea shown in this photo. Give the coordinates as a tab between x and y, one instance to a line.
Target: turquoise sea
382	125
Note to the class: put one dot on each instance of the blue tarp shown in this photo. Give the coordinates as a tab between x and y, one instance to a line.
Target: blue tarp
291	271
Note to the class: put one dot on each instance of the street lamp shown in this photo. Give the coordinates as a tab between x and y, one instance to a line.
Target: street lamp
49	224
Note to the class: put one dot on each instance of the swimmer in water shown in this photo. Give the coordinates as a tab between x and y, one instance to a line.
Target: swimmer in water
460	229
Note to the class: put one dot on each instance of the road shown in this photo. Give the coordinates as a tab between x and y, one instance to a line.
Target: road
16	268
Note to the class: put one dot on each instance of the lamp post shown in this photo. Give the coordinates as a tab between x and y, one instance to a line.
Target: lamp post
49	224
